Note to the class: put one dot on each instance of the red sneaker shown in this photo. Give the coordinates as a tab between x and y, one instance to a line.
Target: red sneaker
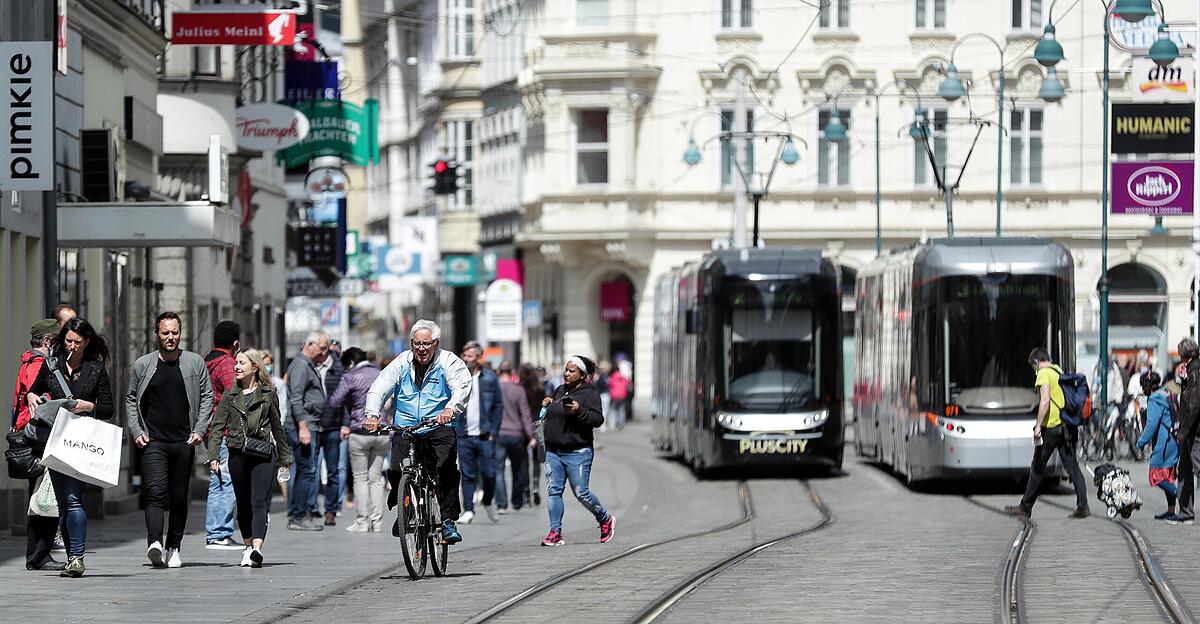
554	539
608	528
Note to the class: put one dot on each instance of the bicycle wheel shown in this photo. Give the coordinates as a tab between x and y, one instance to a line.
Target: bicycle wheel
438	549
412	538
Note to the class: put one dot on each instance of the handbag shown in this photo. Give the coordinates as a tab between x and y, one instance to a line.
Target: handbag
84	448
22	463
256	447
43	502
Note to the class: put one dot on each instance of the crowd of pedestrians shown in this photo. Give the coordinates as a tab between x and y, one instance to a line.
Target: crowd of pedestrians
498	431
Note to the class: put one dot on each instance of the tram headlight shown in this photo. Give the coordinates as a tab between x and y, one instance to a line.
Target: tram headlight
725	420
820	417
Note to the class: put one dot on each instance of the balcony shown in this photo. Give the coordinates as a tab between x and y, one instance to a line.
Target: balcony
587	56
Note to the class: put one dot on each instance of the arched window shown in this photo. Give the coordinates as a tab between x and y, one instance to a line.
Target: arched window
1137	296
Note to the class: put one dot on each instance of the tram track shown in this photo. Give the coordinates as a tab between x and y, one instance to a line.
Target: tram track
1012	571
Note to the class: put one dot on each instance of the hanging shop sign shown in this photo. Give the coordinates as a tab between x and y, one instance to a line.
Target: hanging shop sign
532	313
266	127
460	271
1152	128
502	312
1160	188
1137	37
241	28
336	128
27	115
319	246
310	81
615	301
1150	83
326	183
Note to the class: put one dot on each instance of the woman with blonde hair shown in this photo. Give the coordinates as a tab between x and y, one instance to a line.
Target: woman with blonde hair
249	423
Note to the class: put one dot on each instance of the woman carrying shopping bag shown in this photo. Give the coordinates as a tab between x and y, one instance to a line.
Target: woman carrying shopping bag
248	421
81	368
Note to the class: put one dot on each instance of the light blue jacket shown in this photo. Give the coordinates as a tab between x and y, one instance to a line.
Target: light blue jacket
1158	430
447	383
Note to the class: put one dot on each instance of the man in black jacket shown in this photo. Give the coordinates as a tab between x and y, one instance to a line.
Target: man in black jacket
329	439
1189	418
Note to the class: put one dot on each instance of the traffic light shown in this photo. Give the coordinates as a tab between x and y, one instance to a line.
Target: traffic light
445	177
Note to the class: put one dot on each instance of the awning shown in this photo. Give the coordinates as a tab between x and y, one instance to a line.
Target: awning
187	123
147	224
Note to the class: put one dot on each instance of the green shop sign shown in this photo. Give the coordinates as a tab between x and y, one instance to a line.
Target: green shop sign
336	128
460	271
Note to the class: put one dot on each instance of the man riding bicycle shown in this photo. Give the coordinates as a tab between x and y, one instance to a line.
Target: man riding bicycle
425	382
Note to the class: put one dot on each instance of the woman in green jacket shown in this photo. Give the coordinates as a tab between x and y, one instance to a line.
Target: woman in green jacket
249	423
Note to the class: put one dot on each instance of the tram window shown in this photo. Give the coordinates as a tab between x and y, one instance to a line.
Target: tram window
771	346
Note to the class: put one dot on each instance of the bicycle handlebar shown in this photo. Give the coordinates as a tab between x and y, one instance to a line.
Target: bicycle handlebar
432	421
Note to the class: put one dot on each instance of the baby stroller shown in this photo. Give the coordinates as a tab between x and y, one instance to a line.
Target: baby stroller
1115	489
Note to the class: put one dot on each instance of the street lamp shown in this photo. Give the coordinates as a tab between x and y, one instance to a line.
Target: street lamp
835	130
916	131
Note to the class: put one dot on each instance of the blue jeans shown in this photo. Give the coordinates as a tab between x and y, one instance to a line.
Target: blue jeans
218	515
329	450
72	519
343	471
476	458
575	466
304	474
516	449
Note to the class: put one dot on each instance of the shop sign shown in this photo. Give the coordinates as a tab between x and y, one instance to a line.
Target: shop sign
269	126
318	246
502	312
1161	188
312	287
531	311
1151	83
460	271
615	302
1137	37
336	128
1152	128
241	28
310	81
27	115
326	183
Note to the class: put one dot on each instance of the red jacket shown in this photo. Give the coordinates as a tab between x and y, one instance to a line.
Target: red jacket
31	363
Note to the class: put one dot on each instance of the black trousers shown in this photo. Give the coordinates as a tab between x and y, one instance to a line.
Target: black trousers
166	474
39	534
439	451
253	480
1189	461
1056	439
516	449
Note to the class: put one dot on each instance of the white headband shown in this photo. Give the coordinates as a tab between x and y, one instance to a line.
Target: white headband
578	362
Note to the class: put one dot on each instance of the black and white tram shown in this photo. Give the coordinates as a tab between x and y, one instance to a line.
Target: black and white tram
748	360
943	387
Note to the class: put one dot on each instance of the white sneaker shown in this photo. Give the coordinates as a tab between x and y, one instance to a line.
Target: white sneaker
155	554
491	513
256	558
466	517
246	558
173	560
360	525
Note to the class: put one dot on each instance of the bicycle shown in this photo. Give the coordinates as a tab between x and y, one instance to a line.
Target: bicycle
418	514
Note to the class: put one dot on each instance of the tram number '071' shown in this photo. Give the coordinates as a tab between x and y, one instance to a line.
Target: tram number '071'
771	447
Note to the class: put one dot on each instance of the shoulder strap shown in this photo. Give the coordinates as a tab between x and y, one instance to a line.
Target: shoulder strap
52	362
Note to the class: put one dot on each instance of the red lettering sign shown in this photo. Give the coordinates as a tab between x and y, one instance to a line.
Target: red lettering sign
207	28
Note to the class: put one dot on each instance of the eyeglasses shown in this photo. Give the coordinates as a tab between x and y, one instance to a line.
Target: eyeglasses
423	344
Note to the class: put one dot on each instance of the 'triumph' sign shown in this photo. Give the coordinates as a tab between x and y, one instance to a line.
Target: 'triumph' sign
1159	188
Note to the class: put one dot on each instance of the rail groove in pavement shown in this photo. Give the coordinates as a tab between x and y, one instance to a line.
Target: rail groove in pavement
1012	571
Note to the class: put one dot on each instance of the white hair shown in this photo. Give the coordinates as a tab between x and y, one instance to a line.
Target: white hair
435	332
314	337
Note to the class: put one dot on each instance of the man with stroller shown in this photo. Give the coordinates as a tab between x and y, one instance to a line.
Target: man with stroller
1189	417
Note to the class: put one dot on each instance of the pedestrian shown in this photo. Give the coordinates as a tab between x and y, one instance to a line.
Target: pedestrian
329	441
249	426
306	404
550	382
625	367
1189	417
477	432
423	383
1049	435
169	406
514	441
600	381
535	391
39	530
218	516
1165	456
62	313
366	451
281	394
1171	383
618	387
82	365
572	415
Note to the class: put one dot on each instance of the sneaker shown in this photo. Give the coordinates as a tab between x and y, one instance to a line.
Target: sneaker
502	511
1182	521
466	517
376	526
330	518
450	534
537	498
1169	517
396	528
554	538
173	560
491	513
608	528
225	543
74	568
256	558
303	525
49	564
360	525
1016	510
246	557
59	544
1080	512
155	554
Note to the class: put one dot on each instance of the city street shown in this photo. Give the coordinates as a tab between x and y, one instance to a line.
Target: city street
888	554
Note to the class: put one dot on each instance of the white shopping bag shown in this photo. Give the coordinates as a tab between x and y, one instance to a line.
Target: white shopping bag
84	448
43	503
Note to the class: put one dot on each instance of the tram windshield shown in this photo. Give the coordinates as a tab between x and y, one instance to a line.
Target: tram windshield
991	324
772	342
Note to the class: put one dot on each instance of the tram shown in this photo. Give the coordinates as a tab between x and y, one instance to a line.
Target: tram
748	360
943	387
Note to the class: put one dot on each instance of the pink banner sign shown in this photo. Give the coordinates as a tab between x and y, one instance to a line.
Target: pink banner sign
1157	188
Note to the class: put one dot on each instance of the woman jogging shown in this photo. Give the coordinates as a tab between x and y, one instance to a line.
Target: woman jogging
572	414
248	421
1164	457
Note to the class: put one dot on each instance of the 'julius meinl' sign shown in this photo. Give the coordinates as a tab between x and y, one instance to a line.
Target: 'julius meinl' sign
1152	128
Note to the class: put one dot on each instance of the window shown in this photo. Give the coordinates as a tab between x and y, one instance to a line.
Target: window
1027	15
1025	146
728	172
737	14
835	14
459	144
591	146
931	14
591	12
922	170
206	60
833	158
461	42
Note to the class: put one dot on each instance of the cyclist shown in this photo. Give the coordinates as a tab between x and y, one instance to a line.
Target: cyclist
425	382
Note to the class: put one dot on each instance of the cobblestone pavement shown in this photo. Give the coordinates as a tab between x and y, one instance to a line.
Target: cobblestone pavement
891	555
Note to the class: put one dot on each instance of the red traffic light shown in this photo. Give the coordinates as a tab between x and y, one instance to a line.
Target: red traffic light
440	166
